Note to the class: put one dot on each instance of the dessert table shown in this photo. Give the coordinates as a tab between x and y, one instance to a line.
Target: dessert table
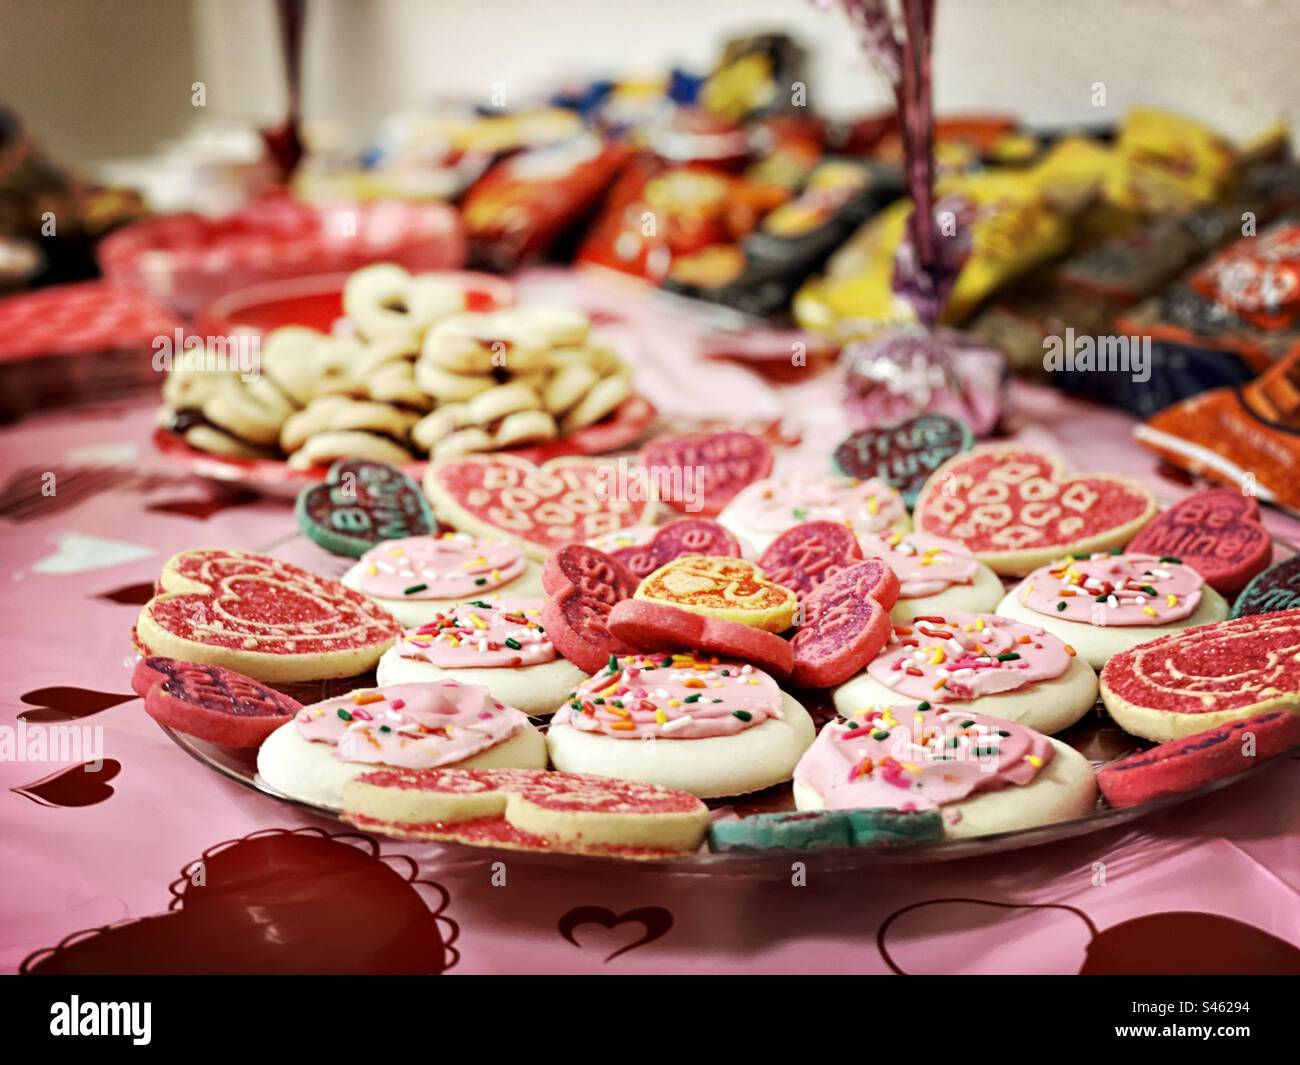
147	861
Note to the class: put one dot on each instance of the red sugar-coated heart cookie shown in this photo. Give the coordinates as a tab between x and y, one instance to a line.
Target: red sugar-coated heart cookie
1215	531
584	585
1181	765
214	704
265	618
702	474
804	556
528	809
1200	677
1017	510
845	624
539	508
647	626
686	536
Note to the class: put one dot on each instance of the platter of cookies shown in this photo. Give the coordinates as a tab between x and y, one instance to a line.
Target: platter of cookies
514	656
392	367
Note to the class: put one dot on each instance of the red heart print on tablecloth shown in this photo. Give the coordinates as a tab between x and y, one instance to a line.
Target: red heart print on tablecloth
655	920
67	704
78	785
1016	509
538	507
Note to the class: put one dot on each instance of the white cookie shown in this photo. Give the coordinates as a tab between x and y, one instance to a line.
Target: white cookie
1097	643
751	760
981	596
536	690
1048	706
1066	789
413	613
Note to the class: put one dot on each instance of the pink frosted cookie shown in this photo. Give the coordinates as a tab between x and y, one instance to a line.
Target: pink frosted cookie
983	774
584	585
499	643
845	624
804	556
769	507
408	726
217	705
985	663
418	577
1103	604
528	809
705	725
645	626
935	575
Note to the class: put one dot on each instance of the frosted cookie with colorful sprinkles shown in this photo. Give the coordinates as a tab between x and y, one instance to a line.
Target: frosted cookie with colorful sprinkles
401	726
1103	604
417	578
768	507
983	774
980	663
935	575
498	643
702	725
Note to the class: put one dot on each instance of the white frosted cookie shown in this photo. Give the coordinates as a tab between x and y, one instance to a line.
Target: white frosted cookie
498	643
738	733
766	508
935	575
405	726
984	775
1106	604
980	662
417	578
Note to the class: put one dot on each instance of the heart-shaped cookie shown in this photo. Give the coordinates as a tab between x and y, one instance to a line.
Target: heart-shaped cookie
702	474
361	503
540	508
217	705
686	536
267	619
903	455
584	585
1017	510
527	809
1215	531
731	589
1277	588
845	624
646	626
805	555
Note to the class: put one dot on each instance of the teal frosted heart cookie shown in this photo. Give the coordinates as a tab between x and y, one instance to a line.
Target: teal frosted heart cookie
816	829
903	455
361	503
1277	588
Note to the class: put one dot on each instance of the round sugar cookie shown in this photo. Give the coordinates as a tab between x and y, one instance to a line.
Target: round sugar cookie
981	596
766	508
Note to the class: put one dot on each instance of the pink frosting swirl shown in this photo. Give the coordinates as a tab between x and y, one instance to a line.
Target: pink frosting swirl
777	503
672	696
963	656
1114	590
501	633
918	757
924	564
452	566
412	726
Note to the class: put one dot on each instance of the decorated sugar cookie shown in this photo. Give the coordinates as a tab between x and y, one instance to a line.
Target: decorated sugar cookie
1103	604
217	705
982	774
1017	510
1217	532
498	643
528	809
540	508
1277	588
361	504
708	726
406	726
729	589
818	829
905	454
717	465
769	507
643	550
808	554
1200	678
935	575
417	578
267	619
584	585
845	623
979	662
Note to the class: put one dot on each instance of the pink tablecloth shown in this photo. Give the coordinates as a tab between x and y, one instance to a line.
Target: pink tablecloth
156	859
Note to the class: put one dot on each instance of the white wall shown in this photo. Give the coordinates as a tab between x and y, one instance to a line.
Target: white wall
98	77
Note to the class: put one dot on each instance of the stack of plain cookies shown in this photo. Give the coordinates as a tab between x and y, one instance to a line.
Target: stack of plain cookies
414	372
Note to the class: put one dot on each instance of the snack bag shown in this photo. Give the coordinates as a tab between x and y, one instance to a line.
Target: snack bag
1169	163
